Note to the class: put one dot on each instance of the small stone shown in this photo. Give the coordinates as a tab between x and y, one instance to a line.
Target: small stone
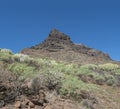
84	94
29	108
42	95
40	101
26	102
38	107
45	104
48	107
17	104
31	105
70	106
2	103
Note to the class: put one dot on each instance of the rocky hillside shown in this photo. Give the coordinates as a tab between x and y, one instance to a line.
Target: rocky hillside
60	47
58	74
42	83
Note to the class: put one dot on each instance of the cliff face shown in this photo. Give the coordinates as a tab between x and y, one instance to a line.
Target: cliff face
59	46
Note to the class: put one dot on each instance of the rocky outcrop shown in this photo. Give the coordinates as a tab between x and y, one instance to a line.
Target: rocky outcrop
58	44
56	41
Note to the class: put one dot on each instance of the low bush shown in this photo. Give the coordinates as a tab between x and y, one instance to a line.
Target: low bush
111	81
6	57
53	78
117	72
21	57
71	86
89	66
49	79
99	79
108	66
37	83
6	51
22	71
83	71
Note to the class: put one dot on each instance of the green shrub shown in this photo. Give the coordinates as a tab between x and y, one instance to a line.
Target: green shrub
110	82
17	68
21	70
53	62
89	66
117	72
84	71
6	51
108	76
108	66
53	78
60	67
99	79
50	79
71	84
21	57
4	56
109	79
43	62
37	82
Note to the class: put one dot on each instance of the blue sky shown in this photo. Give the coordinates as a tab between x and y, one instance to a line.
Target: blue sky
95	23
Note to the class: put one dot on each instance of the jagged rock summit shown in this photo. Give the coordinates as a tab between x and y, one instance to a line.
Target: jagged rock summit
60	47
56	41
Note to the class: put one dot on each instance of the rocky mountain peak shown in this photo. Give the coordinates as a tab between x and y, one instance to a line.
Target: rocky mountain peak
56	36
59	35
59	46
55	41
54	33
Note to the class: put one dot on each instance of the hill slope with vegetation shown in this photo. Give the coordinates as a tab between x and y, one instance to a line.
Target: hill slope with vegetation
45	83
